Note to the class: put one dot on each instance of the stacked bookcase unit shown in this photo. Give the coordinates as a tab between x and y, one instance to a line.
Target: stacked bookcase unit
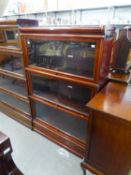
65	68
13	86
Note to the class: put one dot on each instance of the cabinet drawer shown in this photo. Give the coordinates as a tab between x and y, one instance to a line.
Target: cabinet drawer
13	85
15	102
71	125
68	94
11	62
72	57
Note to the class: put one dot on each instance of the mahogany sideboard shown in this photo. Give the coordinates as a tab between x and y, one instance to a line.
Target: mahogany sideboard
109	131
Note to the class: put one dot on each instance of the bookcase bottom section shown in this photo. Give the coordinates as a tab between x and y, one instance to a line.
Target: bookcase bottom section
19	116
68	142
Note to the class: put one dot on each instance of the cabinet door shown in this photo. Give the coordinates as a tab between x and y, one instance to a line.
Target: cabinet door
14	102
13	84
66	123
9	37
72	57
11	63
70	95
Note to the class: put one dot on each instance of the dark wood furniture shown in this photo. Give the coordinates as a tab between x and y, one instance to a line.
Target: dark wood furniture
121	57
121	78
109	134
13	85
65	68
7	165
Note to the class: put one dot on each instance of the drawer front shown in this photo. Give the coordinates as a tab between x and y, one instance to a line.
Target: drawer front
71	125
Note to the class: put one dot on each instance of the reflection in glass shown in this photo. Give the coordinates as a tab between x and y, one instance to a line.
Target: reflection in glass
11	63
68	94
14	102
66	56
61	120
13	84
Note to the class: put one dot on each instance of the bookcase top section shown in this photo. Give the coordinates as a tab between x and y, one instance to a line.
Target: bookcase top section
96	30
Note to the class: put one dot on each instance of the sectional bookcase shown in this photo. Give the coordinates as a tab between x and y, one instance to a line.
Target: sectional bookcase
65	68
13	85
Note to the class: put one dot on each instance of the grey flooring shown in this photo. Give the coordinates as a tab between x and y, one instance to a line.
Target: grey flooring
36	155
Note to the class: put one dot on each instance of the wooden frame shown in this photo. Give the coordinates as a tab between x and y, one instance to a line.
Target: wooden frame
60	138
100	69
109	131
7	48
16	114
2	37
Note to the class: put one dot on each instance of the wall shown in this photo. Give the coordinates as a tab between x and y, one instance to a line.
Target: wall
117	15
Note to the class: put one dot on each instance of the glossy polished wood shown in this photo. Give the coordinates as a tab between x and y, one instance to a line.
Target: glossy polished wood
109	133
89	35
64	76
14	100
66	30
91	38
123	78
112	100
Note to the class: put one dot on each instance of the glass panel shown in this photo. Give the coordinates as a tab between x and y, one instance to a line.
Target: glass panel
11	63
11	35
13	85
66	56
12	101
63	121
68	94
